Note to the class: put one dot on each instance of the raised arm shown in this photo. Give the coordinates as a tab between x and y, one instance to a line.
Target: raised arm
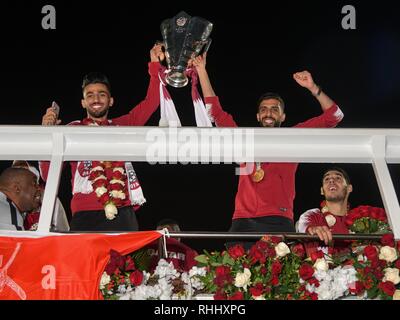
141	113
306	80
222	118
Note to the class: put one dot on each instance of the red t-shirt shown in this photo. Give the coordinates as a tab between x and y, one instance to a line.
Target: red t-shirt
274	195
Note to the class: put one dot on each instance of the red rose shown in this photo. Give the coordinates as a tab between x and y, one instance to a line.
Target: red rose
388	288
276	268
130	264
136	278
236	251
314	282
116	186
108	173
236	296
222	271
262	245
299	250
257	290
256	255
397	264
276	240
118	175
349	220
99	183
219	295
316	255
388	240
378	273
306	271
120	164
371	253
94	174
104	198
263	271
275	280
364	211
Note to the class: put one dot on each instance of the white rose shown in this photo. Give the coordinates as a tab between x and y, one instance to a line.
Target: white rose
120	169
243	279
391	274
98	168
100	177
105	279
282	249
259	297
100	191
117	181
321	265
118	194
396	295
388	254
330	220
111	211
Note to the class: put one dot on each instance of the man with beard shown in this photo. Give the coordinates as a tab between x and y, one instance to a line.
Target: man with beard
336	188
104	192
264	201
19	193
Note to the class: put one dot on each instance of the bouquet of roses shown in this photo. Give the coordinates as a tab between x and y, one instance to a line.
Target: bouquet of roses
269	270
367	219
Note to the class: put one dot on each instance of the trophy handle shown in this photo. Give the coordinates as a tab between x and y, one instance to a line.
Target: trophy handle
207	46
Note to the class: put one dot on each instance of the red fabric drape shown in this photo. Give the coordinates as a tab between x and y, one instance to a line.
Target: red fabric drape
61	267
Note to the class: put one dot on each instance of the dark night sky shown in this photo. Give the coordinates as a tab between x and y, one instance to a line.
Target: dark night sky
256	48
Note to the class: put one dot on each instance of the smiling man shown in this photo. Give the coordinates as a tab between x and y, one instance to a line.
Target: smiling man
336	188
264	200
96	184
19	193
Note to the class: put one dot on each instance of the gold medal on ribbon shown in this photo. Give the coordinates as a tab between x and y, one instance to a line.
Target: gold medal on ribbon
258	175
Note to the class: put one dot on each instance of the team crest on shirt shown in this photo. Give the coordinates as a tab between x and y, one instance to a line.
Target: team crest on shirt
84	168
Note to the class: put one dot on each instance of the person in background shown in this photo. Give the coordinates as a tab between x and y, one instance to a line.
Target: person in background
19	193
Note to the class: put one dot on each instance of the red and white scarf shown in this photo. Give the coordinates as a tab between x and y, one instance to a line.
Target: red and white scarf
169	116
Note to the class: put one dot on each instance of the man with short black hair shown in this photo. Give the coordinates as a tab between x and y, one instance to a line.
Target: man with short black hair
106	192
264	201
19	193
336	188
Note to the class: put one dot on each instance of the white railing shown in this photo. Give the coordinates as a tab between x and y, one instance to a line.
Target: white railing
378	147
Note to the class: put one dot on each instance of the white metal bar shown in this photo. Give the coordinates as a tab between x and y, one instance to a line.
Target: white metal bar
385	184
71	143
52	183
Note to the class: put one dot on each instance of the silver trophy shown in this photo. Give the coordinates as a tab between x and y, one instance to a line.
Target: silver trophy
184	37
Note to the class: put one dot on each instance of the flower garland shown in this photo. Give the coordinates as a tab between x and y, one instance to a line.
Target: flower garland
107	179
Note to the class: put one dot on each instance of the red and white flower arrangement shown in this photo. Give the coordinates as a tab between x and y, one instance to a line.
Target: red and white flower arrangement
109	182
367	219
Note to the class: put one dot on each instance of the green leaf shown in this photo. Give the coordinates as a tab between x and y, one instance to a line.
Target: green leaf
227	260
202	259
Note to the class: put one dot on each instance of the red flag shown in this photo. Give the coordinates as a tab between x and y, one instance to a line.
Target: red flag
61	266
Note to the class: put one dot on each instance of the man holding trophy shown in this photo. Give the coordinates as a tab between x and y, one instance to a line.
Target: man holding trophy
184	38
264	200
